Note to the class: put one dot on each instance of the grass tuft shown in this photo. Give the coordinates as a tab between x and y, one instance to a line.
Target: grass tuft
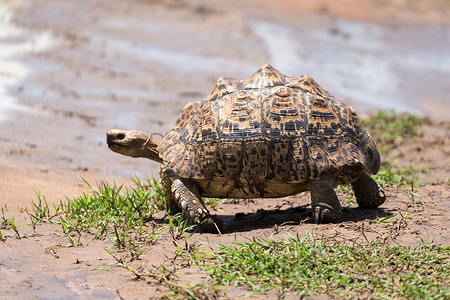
124	215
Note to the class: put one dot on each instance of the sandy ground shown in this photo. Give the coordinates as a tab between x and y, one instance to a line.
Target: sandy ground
72	70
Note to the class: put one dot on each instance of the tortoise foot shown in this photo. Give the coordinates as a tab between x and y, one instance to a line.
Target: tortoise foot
368	193
325	203
325	214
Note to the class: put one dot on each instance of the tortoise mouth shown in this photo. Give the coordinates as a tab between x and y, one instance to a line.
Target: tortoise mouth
118	148
115	146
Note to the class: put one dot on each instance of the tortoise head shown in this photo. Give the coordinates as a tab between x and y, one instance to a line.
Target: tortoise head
373	158
133	143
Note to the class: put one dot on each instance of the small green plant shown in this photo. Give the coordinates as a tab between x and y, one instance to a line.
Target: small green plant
155	192
69	237
387	219
4	221
383	220
188	252
8	223
41	211
178	226
414	195
211	202
14	227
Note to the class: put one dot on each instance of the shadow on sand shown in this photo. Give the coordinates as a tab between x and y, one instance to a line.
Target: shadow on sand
262	219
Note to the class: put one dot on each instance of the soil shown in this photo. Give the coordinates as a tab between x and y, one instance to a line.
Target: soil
76	69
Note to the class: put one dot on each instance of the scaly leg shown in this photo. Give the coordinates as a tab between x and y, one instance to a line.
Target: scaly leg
190	201
166	184
368	192
325	203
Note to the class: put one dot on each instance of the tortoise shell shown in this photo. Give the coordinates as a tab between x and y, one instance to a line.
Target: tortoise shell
267	136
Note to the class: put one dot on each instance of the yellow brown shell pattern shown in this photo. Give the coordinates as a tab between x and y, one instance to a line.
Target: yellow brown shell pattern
267	129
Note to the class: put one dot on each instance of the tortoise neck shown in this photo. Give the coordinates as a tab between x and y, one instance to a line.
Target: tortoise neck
150	149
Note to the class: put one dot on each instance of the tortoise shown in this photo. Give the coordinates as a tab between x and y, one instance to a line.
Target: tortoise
266	136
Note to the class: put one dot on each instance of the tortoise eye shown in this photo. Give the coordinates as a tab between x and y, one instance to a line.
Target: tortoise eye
283	91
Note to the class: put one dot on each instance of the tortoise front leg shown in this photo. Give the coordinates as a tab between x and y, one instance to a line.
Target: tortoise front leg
190	201
324	201
368	192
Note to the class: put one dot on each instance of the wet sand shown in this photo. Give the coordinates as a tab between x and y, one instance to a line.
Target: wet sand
70	71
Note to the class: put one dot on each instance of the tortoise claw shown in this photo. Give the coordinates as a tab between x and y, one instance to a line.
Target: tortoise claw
325	215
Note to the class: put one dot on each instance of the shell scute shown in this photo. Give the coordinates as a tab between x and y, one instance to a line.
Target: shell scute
266	76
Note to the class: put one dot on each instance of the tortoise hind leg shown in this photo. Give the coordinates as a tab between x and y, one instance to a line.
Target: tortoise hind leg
190	201
368	192
171	203
324	201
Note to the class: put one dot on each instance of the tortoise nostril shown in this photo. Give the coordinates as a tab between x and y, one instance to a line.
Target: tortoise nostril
120	136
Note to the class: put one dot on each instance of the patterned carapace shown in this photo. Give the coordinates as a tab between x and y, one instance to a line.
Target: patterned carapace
267	136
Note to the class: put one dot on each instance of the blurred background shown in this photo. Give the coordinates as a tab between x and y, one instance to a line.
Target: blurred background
71	70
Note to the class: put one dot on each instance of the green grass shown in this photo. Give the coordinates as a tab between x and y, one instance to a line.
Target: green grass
95	212
390	174
124	215
307	266
389	130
